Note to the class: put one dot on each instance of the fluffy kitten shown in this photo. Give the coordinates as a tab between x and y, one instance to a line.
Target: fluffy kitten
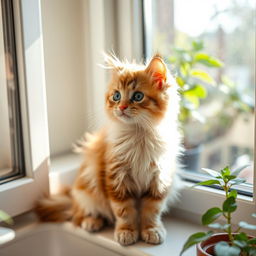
129	168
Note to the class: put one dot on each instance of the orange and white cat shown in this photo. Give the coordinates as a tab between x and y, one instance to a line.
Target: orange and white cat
129	171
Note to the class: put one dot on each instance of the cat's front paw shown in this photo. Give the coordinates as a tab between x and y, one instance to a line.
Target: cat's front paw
92	224
154	235
126	236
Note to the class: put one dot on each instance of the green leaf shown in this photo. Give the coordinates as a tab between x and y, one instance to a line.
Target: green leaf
207	60
192	98
219	226
180	81
241	237
184	68
197	45
211	172
239	169
5	217
197	90
211	215
224	249
246	225
195	239
207	183
238	181
200	91
227	81
226	171
230	177
232	193
172	59
202	75
252	241
229	205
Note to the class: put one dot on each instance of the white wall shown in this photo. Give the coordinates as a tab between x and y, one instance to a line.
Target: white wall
64	46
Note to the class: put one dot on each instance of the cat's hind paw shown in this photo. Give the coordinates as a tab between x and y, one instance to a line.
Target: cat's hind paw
154	235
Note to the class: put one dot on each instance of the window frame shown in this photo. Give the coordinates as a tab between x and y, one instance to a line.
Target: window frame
18	196
22	193
194	202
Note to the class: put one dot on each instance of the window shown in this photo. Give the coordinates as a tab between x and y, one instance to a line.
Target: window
210	46
11	147
23	102
221	118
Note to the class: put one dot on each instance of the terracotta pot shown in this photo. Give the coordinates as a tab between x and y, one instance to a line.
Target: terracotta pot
206	248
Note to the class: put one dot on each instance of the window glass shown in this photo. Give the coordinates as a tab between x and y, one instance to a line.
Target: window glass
5	142
210	47
11	155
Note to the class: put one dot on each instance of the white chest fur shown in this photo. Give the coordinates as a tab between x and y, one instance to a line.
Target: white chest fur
138	148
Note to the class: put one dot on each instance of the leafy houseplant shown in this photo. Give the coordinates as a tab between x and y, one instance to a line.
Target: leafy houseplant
6	234
232	242
5	218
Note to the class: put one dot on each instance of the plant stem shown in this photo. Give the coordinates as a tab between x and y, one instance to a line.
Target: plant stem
228	216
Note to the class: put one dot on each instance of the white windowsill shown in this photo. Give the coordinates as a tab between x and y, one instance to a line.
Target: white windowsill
63	170
177	232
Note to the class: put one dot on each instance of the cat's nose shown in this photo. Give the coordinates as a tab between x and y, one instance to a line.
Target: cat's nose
123	107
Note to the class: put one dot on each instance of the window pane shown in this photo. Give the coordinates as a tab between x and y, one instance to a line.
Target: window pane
5	142
210	46
11	154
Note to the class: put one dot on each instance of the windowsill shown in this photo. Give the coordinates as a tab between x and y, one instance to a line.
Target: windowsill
64	168
63	171
183	220
178	231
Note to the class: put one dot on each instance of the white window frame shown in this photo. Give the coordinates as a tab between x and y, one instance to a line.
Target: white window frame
18	196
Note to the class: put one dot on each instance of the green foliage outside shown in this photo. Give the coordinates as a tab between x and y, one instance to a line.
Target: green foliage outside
192	80
196	84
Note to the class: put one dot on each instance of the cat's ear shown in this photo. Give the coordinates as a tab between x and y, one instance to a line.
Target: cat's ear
112	62
158	70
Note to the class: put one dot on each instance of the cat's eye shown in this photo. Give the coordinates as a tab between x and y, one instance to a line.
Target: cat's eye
117	96
137	96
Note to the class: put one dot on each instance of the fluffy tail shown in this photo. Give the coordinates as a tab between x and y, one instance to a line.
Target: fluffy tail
56	208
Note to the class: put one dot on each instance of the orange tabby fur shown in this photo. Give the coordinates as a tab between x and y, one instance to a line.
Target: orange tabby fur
129	168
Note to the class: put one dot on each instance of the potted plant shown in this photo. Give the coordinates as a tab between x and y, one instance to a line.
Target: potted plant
6	234
194	83
232	241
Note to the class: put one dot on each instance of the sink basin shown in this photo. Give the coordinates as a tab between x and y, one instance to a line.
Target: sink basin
62	240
